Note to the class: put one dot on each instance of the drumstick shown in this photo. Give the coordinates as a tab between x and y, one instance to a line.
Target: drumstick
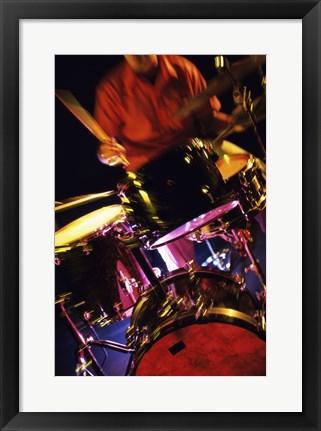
69	100
215	143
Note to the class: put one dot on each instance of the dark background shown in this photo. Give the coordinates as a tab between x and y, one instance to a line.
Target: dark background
78	170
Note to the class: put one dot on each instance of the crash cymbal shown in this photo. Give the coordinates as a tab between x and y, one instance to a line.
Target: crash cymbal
81	200
69	100
220	84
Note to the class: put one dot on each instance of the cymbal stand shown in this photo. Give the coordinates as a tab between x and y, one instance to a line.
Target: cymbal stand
240	238
241	95
243	236
132	242
127	285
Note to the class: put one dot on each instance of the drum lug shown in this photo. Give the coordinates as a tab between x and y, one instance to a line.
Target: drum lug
252	267
138	336
240	280
201	310
206	190
130	336
261	322
169	305
144	337
189	267
197	236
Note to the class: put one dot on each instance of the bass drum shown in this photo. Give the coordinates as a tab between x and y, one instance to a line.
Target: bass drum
205	326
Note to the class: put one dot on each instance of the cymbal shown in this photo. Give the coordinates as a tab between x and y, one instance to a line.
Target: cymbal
87	225
81	200
69	100
220	84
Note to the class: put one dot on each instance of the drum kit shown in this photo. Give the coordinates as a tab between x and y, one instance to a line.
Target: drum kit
191	321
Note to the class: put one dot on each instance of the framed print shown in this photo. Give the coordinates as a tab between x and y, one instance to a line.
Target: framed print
51	53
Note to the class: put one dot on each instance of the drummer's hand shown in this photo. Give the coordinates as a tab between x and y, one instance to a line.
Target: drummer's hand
112	153
240	120
238	128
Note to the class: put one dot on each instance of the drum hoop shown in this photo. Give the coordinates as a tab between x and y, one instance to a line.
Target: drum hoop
230	317
92	233
167	279
83	242
199	269
235	314
210	312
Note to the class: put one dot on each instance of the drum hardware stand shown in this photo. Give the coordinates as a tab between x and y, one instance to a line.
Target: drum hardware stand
134	245
241	95
131	241
127	285
214	256
117	308
113	345
242	236
86	344
217	259
255	266
239	238
83	364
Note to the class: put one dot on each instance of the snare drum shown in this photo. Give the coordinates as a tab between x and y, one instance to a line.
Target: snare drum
174	194
206	326
102	275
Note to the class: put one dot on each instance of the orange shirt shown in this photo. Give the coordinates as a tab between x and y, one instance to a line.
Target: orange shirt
139	114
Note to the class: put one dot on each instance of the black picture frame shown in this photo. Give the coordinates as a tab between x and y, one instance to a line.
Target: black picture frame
11	12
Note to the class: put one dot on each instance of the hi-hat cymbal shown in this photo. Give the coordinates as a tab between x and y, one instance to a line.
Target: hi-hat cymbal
81	200
84	227
220	84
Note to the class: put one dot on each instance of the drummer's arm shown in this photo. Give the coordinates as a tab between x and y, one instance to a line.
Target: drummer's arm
217	121
112	153
214	121
109	152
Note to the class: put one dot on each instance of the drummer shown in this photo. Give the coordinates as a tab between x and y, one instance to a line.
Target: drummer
135	105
